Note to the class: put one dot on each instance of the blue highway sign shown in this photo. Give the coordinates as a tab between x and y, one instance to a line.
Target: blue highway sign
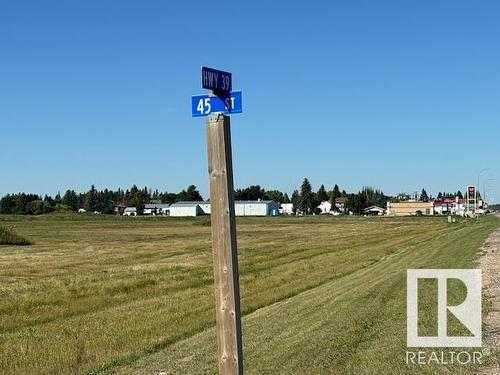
216	80
203	105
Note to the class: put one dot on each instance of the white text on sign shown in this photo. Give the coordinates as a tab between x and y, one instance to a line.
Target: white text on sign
205	107
211	79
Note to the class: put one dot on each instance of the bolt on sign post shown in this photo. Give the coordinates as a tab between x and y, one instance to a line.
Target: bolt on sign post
220	170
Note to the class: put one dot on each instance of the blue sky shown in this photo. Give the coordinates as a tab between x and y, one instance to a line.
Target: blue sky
398	95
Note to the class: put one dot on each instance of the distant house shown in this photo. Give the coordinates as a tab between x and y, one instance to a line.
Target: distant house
405	197
130	211
286	208
374	211
256	208
185	208
443	207
325	207
450	206
340	206
156	209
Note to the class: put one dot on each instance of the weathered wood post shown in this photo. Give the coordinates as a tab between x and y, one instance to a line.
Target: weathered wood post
225	254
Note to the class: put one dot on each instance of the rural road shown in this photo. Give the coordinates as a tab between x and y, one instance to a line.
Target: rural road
490	266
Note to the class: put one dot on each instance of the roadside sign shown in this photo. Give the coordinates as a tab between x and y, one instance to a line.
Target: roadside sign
471	198
222	101
216	80
203	105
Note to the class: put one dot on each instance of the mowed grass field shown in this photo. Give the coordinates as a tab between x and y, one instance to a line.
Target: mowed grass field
320	295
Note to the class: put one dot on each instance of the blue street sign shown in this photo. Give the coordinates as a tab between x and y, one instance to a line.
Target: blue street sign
203	105
216	80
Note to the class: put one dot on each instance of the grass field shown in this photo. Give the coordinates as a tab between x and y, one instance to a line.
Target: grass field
320	295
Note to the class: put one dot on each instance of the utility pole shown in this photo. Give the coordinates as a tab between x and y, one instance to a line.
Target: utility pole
484	188
477	186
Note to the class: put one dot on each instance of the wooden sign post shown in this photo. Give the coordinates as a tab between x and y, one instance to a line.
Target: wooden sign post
220	171
225	253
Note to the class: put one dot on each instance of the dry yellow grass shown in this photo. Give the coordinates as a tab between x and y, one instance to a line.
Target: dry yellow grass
101	294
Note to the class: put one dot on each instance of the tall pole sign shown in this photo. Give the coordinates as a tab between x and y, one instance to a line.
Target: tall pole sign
225	253
471	198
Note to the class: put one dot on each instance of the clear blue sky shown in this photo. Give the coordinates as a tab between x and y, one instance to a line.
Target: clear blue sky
398	95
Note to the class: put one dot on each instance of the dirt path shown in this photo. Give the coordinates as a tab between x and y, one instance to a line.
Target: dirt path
490	265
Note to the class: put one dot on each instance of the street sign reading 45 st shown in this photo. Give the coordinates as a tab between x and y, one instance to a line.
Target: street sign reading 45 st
203	105
216	80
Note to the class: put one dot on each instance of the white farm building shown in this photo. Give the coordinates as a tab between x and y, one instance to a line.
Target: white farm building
180	209
205	207
241	208
286	209
256	208
194	208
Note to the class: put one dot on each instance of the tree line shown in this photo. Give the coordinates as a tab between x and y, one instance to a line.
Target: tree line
424	197
305	200
102	201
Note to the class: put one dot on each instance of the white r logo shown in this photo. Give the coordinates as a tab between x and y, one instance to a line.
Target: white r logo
468	312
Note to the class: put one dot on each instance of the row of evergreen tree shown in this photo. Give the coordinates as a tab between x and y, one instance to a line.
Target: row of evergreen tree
307	201
424	197
105	201
102	201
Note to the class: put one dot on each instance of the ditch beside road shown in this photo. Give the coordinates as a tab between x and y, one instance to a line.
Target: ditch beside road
490	266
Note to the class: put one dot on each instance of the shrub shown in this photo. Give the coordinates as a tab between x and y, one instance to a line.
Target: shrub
8	237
